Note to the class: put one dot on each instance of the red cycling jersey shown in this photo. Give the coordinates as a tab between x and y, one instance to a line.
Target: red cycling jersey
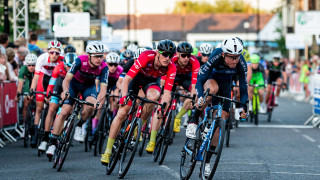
58	71
145	66
192	67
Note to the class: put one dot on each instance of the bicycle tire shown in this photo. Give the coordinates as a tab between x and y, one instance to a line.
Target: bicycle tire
116	149
145	133
124	169
67	140
101	130
195	145
157	147
219	123
56	156
228	132
256	114
270	109
167	135
27	126
86	138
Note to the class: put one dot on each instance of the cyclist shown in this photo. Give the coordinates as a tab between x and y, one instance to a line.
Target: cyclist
187	71
205	50
125	56
258	76
69	49
128	65
115	70
55	87
25	77
145	72
276	72
132	47
81	79
44	68
216	75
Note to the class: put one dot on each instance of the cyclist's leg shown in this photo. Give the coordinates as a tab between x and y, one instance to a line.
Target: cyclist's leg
279	82
268	88
26	103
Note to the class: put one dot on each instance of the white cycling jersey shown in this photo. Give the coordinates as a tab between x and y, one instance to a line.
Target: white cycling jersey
44	65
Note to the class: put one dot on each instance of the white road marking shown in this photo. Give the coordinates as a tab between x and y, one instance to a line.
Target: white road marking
291	173
296	130
276	126
309	138
170	171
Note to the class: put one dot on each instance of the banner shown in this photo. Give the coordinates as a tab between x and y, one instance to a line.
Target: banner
298	41
8	104
316	95
1	103
71	25
307	22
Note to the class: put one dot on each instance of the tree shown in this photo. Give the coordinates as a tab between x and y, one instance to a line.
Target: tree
282	40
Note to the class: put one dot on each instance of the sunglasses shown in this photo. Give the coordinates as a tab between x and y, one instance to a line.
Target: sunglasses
166	54
98	55
31	65
113	64
233	57
54	52
205	55
185	55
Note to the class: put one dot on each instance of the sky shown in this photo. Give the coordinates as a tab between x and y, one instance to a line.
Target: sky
166	6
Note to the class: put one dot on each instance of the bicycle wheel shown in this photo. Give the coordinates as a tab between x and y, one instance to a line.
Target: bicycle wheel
66	142
212	157
56	156
228	129
27	126
145	135
167	135
130	147
87	146
256	111
158	145
116	149
188	156
270	108
101	131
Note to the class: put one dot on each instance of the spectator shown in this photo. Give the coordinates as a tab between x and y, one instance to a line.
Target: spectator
3	67
4	41
304	77
21	42
32	44
12	65
21	55
315	64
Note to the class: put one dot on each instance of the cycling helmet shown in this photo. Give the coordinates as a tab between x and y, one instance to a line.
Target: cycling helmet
206	48
138	52
127	54
277	56
95	47
232	46
31	59
55	44
245	53
167	46
132	47
195	51
184	47
115	51
69	49
255	59
113	58
69	58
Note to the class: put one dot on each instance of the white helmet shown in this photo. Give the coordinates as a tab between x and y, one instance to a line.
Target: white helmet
95	47
113	58
206	48
232	46
132	47
31	59
138	52
55	44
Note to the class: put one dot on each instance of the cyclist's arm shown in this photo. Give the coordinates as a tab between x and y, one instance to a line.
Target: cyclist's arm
162	81
97	82
103	85
195	71
206	70
249	74
20	85
119	82
72	71
34	82
125	84
242	66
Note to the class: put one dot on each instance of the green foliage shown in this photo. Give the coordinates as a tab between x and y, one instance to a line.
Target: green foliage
219	6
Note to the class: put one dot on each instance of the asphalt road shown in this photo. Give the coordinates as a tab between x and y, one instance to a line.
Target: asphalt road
282	149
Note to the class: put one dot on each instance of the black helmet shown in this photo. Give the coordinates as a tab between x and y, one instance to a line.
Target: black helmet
127	54
167	46
184	47
69	49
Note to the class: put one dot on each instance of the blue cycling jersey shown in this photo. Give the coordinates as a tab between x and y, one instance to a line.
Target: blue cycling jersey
216	68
